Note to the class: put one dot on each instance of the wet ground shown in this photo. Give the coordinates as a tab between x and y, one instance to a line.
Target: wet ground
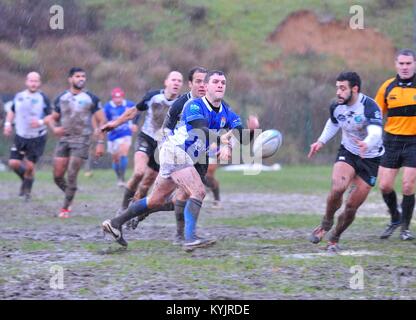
262	250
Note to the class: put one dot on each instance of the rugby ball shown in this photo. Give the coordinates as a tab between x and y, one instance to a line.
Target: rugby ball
267	143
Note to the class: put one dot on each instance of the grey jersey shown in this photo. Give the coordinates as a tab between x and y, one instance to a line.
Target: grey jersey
353	120
76	115
28	106
157	106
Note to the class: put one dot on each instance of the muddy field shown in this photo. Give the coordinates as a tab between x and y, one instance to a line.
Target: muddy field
262	250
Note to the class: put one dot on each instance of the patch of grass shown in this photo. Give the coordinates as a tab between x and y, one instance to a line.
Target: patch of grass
29	246
290	221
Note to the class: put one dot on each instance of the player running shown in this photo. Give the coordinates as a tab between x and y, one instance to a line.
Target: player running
358	157
119	139
28	111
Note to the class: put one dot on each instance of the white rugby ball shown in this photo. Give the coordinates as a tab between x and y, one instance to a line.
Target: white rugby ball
267	143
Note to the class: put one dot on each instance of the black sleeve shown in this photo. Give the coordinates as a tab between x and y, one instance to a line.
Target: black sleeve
96	103
174	113
331	112
142	105
47	104
57	103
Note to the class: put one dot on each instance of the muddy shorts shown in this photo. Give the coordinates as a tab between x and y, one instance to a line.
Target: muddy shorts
365	168
172	159
65	149
148	145
32	148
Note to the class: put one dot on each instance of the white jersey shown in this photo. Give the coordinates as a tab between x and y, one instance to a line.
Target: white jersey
354	120
157	106
28	106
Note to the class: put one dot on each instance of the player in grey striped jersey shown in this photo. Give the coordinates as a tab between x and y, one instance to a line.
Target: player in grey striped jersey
28	111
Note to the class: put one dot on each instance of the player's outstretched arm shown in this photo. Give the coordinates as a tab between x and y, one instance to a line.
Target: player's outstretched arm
129	114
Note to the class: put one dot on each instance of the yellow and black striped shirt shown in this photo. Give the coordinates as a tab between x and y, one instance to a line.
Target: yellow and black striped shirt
397	100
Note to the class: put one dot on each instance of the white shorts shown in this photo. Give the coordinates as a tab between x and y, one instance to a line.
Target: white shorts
114	146
173	158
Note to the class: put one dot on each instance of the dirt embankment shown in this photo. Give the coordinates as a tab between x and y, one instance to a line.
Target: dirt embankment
304	32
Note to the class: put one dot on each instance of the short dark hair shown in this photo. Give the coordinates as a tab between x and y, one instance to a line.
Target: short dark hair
210	73
352	77
196	70
74	70
406	52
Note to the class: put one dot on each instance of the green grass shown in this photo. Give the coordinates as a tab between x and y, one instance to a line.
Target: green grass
290	221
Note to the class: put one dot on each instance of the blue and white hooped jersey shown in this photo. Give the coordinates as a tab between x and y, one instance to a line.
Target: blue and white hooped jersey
200	109
353	120
113	112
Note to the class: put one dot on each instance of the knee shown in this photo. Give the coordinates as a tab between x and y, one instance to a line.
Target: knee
199	193
155	201
30	168
14	164
337	190
137	176
408	187
385	187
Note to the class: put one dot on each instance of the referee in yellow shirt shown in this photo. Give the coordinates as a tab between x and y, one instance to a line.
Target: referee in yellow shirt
397	100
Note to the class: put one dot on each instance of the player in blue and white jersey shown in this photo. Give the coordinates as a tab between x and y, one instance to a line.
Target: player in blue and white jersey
119	139
359	118
28	111
203	119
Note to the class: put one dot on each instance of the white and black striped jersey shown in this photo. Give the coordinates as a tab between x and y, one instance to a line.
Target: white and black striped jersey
28	106
354	120
157	106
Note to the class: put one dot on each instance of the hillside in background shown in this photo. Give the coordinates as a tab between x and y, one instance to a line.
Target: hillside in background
281	57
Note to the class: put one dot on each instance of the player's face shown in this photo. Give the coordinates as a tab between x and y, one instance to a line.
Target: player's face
78	80
197	85
118	100
216	87
173	83
344	92
33	82
405	66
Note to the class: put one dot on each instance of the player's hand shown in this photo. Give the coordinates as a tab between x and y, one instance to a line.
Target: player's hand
99	150
315	147
225	138
363	147
253	122
7	131
109	126
34	123
58	131
225	153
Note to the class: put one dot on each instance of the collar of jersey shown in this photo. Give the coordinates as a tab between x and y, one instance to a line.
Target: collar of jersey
208	105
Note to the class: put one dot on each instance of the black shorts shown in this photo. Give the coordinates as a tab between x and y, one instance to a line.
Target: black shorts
32	148
400	151
148	145
366	168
